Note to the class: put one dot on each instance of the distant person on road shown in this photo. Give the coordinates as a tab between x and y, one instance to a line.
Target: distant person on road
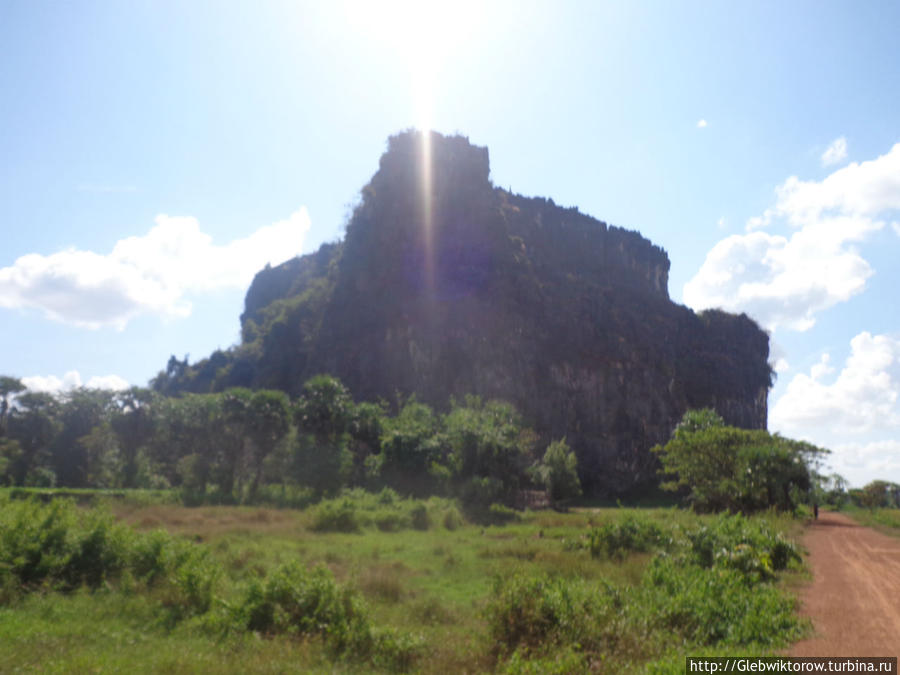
816	510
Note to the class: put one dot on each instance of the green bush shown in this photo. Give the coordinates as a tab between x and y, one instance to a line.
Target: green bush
739	543
355	510
539	612
388	496
337	516
308	602
58	545
716	606
190	586
419	517
631	534
452	519
568	660
500	514
296	600
391	521
479	492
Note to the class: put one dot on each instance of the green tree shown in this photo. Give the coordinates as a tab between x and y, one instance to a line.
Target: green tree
726	468
268	423
559	472
134	421
189	425
81	410
10	454
834	490
880	494
698	420
9	386
489	448
411	451
366	429
103	460
34	424
323	415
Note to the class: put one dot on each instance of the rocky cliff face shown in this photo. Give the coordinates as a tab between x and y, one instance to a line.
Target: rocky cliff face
445	285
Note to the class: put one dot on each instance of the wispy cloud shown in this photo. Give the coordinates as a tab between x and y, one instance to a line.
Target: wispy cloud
72	380
836	152
778	278
148	274
858	461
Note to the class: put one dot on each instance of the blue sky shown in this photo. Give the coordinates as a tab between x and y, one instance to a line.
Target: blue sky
156	154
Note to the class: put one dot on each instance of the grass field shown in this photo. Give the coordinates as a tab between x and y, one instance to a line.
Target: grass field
593	590
882	519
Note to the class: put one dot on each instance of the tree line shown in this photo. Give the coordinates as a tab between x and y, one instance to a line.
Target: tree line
229	446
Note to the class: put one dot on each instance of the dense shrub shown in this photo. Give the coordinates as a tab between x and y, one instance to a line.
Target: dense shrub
715	606
451	518
627	535
60	546
296	600
355	510
57	545
709	585
559	471
309	603
336	516
419	518
747	546
540	611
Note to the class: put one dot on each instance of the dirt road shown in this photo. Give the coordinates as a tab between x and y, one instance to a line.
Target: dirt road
854	599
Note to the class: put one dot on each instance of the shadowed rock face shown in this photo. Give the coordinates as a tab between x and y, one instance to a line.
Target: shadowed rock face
445	285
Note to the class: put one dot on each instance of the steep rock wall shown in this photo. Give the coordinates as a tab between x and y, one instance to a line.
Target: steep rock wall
445	285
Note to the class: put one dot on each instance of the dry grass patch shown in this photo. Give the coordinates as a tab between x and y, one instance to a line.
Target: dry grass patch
385	582
210	521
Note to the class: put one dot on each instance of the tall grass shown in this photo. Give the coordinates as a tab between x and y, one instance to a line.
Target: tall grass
883	519
712	584
411	586
356	510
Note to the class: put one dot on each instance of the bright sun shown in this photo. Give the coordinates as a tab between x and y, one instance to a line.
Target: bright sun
424	35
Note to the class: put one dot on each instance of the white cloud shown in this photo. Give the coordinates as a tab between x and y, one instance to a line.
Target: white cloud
148	274
52	384
836	152
701	124
855	412
113	382
72	380
785	280
864	397
861	463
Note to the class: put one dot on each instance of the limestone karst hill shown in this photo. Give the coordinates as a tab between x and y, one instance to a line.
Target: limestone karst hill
446	285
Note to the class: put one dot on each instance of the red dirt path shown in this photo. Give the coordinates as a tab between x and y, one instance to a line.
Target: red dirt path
854	599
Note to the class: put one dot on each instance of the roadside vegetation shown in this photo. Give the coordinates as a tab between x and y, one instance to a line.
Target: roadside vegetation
230	588
400	541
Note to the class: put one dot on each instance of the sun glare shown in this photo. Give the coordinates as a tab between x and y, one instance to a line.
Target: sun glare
423	35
